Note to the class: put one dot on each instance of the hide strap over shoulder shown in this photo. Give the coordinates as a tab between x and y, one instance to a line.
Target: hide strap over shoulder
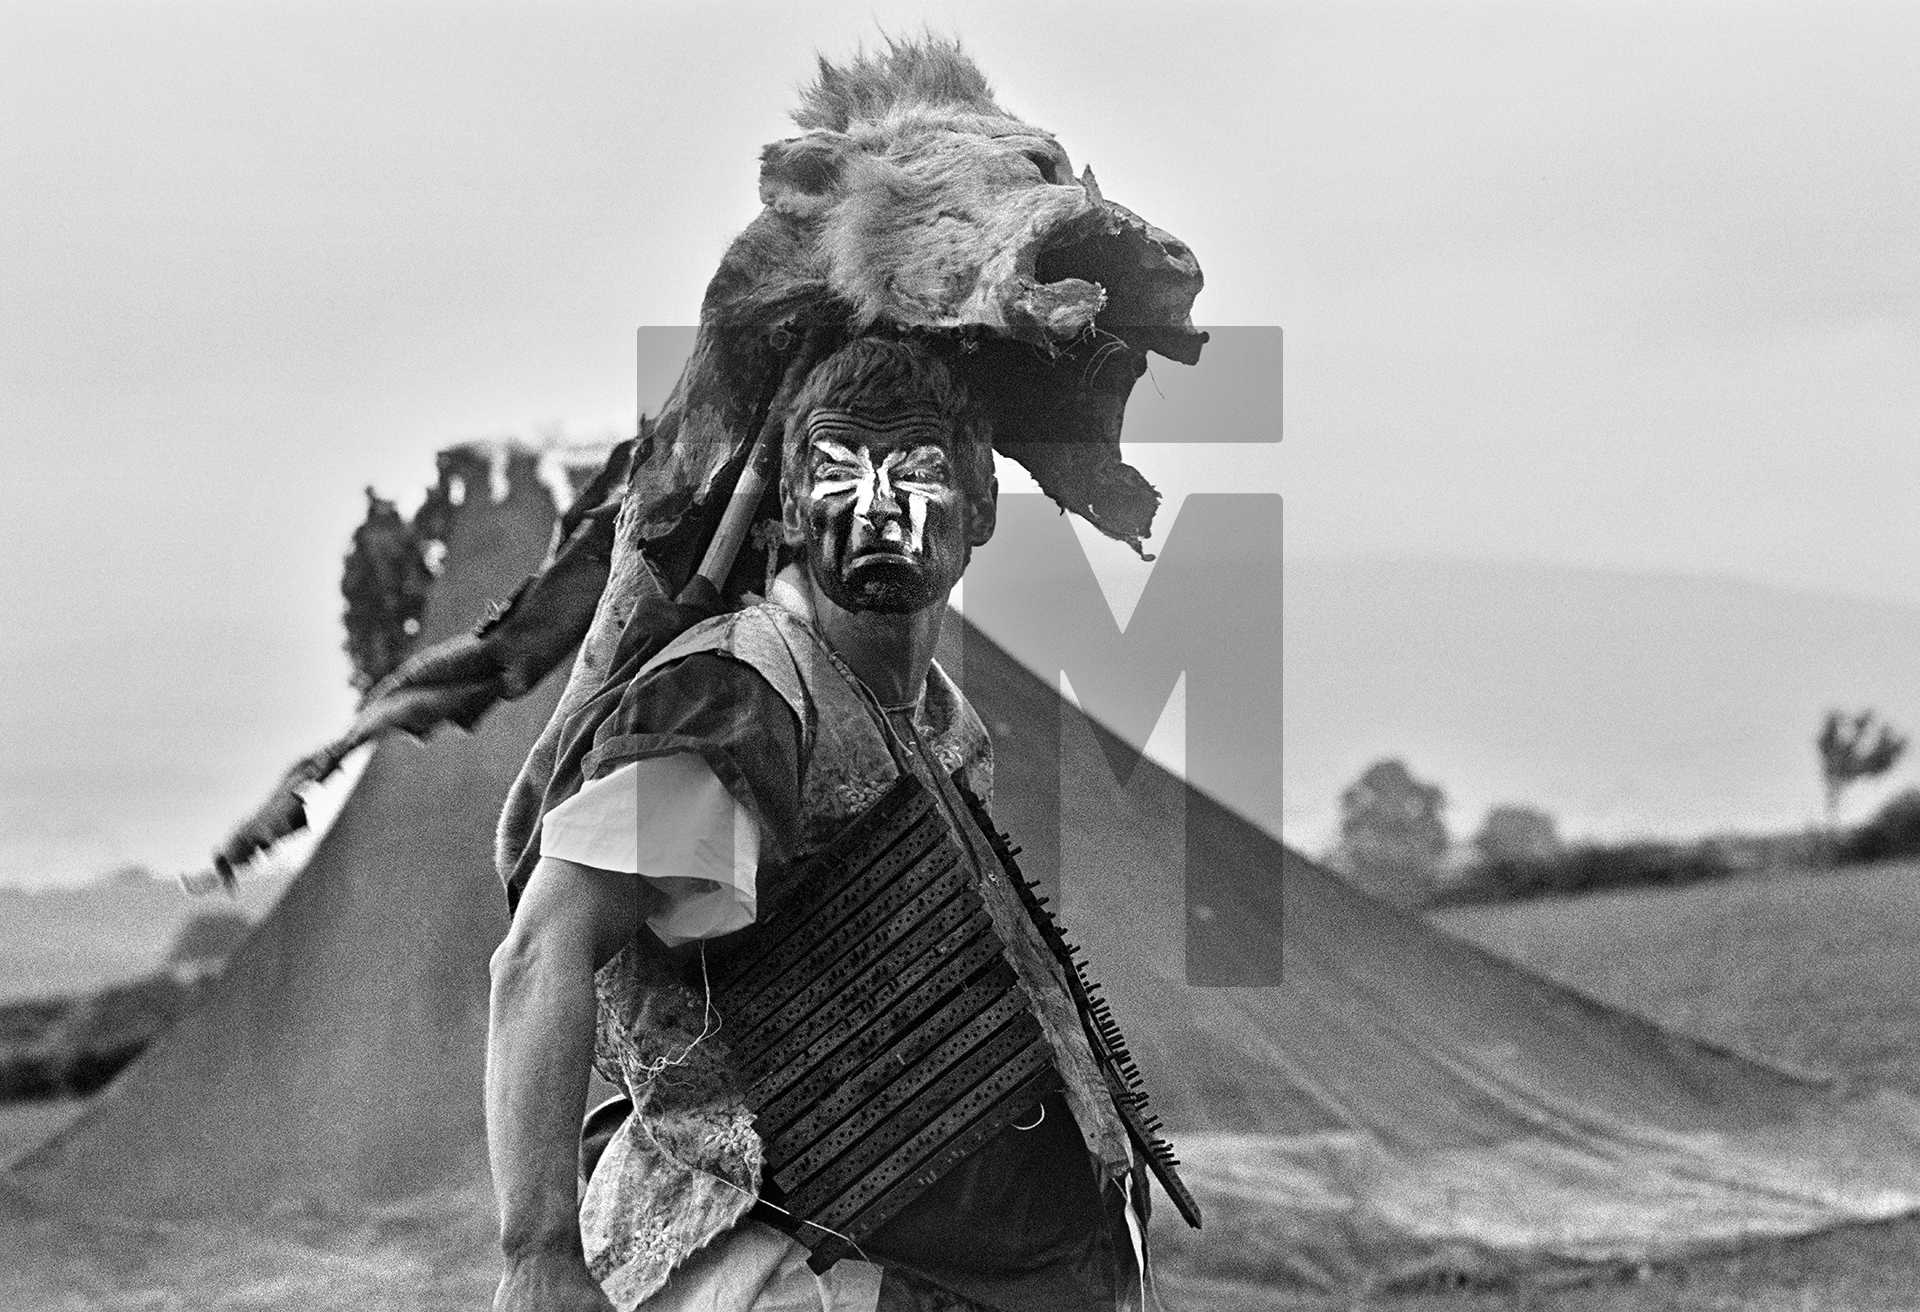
881	1032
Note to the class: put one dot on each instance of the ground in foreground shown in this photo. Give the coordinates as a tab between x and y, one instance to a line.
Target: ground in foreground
1817	970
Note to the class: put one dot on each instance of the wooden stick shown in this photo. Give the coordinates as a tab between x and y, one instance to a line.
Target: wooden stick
711	577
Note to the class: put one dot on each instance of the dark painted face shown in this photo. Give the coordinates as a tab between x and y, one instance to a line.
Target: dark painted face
881	511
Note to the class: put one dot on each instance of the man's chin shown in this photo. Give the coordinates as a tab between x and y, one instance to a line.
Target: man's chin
886	569
888	603
886	597
883	584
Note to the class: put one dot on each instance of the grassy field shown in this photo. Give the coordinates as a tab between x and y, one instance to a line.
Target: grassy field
1815	970
1820	971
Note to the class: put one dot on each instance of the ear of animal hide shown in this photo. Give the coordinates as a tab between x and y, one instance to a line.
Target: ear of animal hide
798	176
917	205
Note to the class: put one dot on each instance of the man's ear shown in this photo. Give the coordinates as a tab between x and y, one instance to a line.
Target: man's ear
799	176
985	513
793	519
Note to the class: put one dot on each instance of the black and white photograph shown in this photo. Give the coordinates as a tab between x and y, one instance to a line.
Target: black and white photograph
934	657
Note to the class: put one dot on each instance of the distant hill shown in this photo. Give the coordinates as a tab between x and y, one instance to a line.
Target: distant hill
73	940
1626	704
1623	703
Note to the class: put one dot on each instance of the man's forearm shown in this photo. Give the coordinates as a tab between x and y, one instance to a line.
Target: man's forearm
539	1046
571	920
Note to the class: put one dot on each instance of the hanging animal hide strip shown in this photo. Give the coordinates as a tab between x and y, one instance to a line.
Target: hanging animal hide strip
459	680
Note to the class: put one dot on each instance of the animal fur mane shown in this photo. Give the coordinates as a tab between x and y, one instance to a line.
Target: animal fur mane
930	73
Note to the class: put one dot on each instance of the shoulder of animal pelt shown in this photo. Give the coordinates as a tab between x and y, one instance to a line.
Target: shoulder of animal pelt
769	272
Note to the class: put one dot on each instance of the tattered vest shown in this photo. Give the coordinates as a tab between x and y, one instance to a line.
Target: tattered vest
687	1164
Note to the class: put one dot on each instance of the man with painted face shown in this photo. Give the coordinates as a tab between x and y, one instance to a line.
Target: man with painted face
745	746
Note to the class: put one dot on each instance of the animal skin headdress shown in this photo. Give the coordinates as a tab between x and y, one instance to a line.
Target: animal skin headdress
914	203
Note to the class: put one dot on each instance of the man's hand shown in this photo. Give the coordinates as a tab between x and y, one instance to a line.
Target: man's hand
549	1282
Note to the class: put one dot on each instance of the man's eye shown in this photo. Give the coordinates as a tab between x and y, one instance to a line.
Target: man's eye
931	468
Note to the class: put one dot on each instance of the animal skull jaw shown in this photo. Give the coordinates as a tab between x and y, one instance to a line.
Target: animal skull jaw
1055	311
1073	263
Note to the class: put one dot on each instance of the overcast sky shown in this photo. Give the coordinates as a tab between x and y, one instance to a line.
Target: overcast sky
1614	285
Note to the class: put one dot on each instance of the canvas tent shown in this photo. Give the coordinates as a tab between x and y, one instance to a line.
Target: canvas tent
1400	1103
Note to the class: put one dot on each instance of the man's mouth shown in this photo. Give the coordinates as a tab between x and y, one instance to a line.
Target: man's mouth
889	539
881	553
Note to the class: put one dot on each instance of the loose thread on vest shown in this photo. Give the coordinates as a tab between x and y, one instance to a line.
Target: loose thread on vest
1149	1290
709	1027
798	1220
707	1030
710	1023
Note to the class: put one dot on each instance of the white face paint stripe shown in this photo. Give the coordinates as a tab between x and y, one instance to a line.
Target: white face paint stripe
864	488
859	482
869	483
916	519
837	433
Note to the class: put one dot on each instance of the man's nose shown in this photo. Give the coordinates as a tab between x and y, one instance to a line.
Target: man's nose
885	502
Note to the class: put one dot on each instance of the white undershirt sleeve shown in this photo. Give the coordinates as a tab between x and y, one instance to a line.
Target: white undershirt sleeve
671	821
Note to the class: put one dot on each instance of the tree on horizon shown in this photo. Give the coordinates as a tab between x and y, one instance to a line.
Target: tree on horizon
1393	837
1852	748
1512	832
